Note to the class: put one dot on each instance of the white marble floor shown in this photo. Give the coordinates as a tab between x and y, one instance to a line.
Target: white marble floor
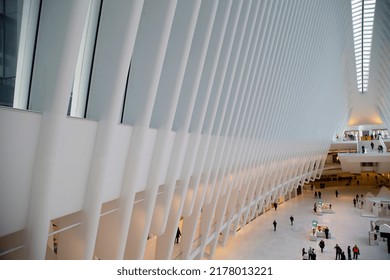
259	241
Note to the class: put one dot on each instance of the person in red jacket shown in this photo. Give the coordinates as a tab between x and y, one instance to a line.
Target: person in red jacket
356	252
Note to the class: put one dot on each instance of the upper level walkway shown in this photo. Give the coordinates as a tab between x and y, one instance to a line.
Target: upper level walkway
363	156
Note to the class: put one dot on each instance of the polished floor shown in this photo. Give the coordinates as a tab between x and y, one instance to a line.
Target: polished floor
348	227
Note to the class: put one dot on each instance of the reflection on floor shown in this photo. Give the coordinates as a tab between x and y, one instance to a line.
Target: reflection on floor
348	227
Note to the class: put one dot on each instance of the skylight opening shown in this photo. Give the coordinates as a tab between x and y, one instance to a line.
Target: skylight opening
363	24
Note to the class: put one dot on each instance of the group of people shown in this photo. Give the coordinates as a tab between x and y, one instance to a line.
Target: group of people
317	194
358	200
309	255
340	254
380	148
291	222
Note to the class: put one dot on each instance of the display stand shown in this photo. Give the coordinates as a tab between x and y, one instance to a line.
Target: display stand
313	233
373	238
324	207
319	208
327	208
318	231
321	231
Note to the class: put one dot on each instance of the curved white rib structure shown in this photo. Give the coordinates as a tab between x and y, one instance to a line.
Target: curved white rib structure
194	114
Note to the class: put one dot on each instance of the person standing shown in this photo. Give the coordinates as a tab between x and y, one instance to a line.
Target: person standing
349	253
337	193
310	253
338	252
354	202
356	252
304	254
313	254
326	232
291	219
275	206
275	223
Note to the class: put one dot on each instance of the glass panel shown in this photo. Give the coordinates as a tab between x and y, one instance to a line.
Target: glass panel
10	22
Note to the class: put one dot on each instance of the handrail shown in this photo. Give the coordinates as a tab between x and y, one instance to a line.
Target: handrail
11	250
63	229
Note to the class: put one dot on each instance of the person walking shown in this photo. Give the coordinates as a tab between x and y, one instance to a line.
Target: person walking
178	234
337	193
356	252
275	223
291	219
322	245
275	206
354	202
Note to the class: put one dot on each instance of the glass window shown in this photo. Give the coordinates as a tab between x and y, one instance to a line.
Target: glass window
351	135
381	132
10	23
363	20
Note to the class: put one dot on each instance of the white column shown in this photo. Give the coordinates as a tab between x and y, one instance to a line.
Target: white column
167	101
112	62
149	53
57	50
